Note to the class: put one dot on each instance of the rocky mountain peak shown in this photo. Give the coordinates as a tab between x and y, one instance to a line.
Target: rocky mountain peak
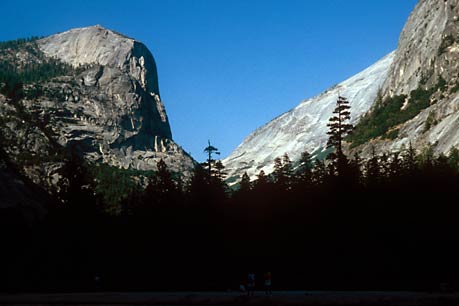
97	95
97	45
125	70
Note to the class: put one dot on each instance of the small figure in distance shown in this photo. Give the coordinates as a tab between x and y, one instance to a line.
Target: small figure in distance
268	284
251	284
97	281
242	286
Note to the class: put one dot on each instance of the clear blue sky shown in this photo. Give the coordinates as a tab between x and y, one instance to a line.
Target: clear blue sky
228	67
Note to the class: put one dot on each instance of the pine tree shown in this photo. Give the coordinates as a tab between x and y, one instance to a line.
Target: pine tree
409	163
287	170
164	178
319	173
161	189
303	174
245	185
356	171
338	126
198	186
283	172
210	162
372	169
219	173
215	174
426	158
262	180
338	129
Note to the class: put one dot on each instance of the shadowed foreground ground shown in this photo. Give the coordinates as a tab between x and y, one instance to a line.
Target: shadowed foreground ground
233	298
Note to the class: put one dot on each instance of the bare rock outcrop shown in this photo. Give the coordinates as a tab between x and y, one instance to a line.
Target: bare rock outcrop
117	115
427	54
104	106
428	47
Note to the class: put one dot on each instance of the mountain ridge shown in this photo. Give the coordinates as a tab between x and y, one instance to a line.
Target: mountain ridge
424	73
307	120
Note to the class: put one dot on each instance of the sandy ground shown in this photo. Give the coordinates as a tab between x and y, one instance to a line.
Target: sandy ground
234	298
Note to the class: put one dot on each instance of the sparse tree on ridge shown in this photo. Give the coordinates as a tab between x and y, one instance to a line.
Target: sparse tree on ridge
210	162
215	172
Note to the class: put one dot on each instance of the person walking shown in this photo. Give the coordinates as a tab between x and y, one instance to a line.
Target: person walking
268	284
251	284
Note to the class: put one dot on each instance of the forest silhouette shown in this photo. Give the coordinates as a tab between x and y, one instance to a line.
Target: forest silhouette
387	222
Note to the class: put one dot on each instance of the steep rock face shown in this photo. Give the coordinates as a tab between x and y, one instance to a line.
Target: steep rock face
107	108
428	52
124	72
117	111
428	47
304	128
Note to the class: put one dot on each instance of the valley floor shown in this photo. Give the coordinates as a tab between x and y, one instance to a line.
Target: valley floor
347	298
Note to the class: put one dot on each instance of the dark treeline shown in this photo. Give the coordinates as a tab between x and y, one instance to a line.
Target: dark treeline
389	222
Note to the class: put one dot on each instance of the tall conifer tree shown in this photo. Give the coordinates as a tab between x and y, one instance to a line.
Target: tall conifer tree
339	127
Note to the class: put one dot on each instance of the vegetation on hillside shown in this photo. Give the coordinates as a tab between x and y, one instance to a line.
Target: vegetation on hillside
387	114
22	62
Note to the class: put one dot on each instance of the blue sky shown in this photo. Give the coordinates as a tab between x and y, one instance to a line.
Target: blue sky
228	67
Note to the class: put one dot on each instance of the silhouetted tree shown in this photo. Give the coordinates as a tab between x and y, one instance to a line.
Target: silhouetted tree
426	158
198	184
373	170
245	185
210	162
355	166
161	189
287	169
338	129
319	173
282	173
219	172
303	173
262	181
409	164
